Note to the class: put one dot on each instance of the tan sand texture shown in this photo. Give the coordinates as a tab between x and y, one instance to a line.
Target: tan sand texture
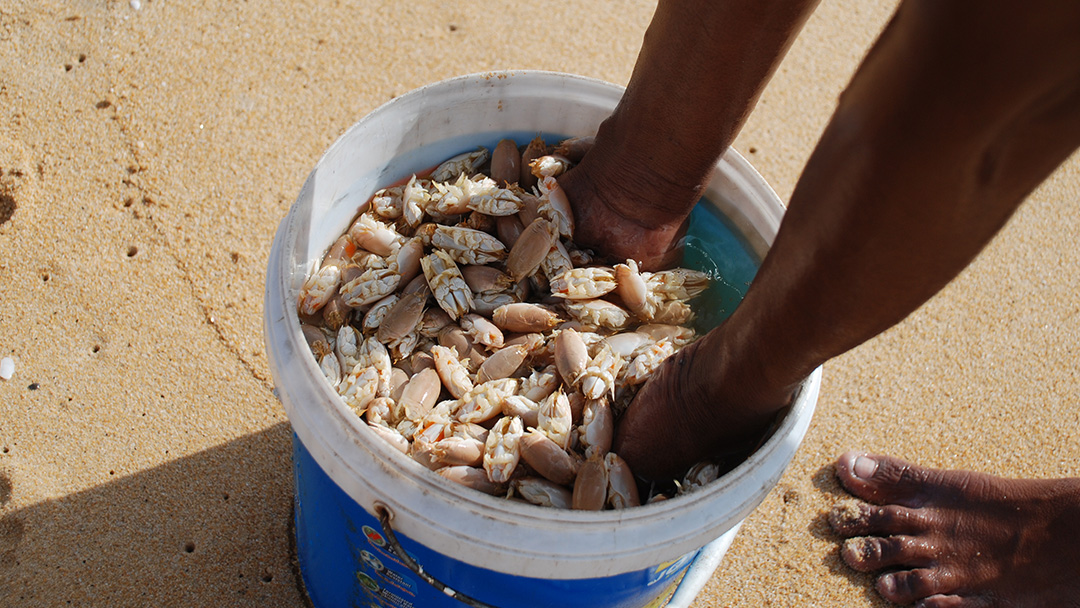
148	151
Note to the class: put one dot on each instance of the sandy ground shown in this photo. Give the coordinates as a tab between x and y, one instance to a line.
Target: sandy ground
147	154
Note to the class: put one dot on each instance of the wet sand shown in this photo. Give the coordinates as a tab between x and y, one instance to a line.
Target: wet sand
148	151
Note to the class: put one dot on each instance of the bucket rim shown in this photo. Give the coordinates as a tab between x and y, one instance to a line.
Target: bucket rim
344	439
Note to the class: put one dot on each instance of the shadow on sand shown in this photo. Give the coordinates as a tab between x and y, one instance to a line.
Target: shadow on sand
825	481
210	529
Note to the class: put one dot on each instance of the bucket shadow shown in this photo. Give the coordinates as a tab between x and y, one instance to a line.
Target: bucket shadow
825	481
213	528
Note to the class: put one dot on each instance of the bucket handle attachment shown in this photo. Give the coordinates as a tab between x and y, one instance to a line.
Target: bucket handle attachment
385	517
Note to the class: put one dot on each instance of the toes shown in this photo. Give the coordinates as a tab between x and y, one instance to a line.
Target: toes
854	518
951	601
909	586
867	554
884	479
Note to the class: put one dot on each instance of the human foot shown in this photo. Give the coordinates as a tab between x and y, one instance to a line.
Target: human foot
957	538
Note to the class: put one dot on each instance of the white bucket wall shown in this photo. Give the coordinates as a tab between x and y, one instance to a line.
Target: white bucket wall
412	133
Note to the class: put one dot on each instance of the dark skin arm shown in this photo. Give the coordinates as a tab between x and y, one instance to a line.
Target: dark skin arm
950	122
701	69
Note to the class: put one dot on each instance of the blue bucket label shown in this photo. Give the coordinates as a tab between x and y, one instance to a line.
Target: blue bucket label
345	560
663	572
388	581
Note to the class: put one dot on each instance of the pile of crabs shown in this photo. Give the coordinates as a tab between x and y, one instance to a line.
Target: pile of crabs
457	317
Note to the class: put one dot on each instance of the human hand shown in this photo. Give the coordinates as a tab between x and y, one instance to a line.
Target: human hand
626	214
687	411
703	402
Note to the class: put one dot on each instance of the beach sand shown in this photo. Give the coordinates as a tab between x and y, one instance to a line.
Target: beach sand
148	151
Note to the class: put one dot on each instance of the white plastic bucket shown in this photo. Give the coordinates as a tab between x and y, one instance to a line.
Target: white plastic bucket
498	551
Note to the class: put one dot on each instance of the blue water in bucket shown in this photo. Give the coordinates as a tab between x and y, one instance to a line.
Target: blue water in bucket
345	558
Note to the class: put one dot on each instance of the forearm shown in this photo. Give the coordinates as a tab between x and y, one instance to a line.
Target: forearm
953	118
941	134
701	69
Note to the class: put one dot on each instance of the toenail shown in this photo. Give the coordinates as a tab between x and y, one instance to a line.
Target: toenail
865	467
886	584
857	549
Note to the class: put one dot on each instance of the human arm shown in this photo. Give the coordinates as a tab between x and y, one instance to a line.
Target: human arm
701	69
951	120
